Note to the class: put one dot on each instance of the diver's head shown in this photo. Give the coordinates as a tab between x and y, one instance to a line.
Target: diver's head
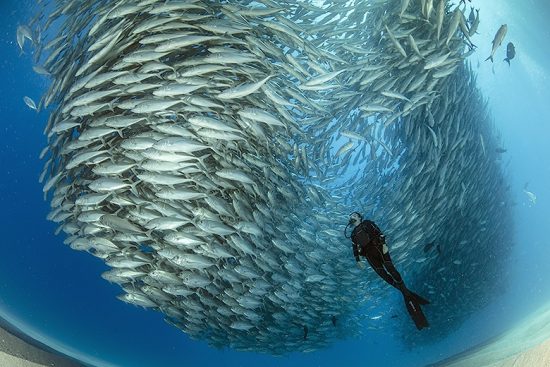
355	219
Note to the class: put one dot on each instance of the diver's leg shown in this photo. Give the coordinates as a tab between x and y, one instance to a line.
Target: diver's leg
385	268
377	263
388	265
382	264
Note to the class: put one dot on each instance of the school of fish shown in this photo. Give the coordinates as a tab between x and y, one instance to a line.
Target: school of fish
210	151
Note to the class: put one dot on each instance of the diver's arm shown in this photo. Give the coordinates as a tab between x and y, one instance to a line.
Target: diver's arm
358	262
355	251
378	232
381	237
376	229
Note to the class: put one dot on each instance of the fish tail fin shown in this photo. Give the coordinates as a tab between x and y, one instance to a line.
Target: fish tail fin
489	58
507	60
149	232
133	189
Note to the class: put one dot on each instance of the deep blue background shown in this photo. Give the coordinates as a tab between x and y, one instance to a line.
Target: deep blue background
59	293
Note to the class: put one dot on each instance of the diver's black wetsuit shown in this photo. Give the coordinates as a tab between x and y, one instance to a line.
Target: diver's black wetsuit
368	241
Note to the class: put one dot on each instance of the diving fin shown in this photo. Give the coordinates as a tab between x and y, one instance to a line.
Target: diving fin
407	293
419	299
416	313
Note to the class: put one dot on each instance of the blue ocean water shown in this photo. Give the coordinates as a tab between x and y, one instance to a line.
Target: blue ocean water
56	294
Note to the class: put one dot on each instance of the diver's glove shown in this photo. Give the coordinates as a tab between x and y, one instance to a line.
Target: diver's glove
360	265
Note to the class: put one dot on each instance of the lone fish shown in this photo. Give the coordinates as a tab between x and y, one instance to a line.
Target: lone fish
501	33
30	103
510	52
532	197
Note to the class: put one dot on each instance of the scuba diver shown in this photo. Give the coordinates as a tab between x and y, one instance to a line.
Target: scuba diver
368	241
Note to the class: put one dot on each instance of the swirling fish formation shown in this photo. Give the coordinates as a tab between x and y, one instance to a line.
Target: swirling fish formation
199	148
